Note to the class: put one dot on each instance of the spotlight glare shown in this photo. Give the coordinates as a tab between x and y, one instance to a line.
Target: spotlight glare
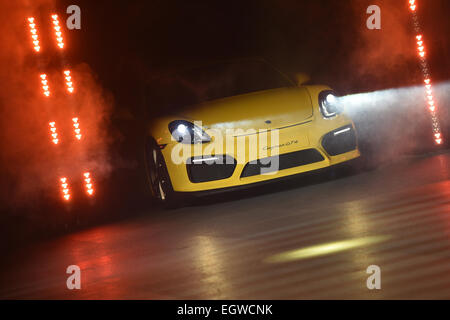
331	98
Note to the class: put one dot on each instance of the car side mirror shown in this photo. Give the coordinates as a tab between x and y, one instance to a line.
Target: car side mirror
301	78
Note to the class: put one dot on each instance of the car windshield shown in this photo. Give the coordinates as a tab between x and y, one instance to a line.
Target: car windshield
214	82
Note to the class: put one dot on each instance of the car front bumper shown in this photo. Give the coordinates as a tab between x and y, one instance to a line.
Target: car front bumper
301	148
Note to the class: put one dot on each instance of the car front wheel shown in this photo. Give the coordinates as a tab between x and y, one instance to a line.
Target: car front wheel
157	174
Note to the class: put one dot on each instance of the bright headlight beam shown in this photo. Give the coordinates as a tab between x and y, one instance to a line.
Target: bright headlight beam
331	99
181	128
188	133
357	104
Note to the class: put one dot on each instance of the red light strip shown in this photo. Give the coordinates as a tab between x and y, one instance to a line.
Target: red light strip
76	128
58	33
421	51
34	34
88	183
69	83
53	132
45	86
65	190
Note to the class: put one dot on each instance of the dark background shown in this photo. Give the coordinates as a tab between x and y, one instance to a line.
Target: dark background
129	43
126	41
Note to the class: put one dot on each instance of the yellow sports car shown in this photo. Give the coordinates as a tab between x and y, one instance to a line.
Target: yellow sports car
239	123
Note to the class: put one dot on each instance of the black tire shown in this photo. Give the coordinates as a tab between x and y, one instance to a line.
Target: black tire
158	179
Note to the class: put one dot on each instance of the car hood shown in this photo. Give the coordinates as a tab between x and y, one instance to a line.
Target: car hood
267	109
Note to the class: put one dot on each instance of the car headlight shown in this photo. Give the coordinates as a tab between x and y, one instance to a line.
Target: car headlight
329	103
187	132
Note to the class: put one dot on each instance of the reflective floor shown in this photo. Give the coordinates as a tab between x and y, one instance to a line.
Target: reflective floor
309	242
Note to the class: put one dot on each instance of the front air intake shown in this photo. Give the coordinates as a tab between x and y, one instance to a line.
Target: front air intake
340	141
210	168
285	161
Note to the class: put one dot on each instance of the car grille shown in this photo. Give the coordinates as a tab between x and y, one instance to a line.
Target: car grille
210	168
339	141
285	161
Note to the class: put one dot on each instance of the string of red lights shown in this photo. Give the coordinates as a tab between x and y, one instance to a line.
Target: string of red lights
421	51
34	34
64	182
